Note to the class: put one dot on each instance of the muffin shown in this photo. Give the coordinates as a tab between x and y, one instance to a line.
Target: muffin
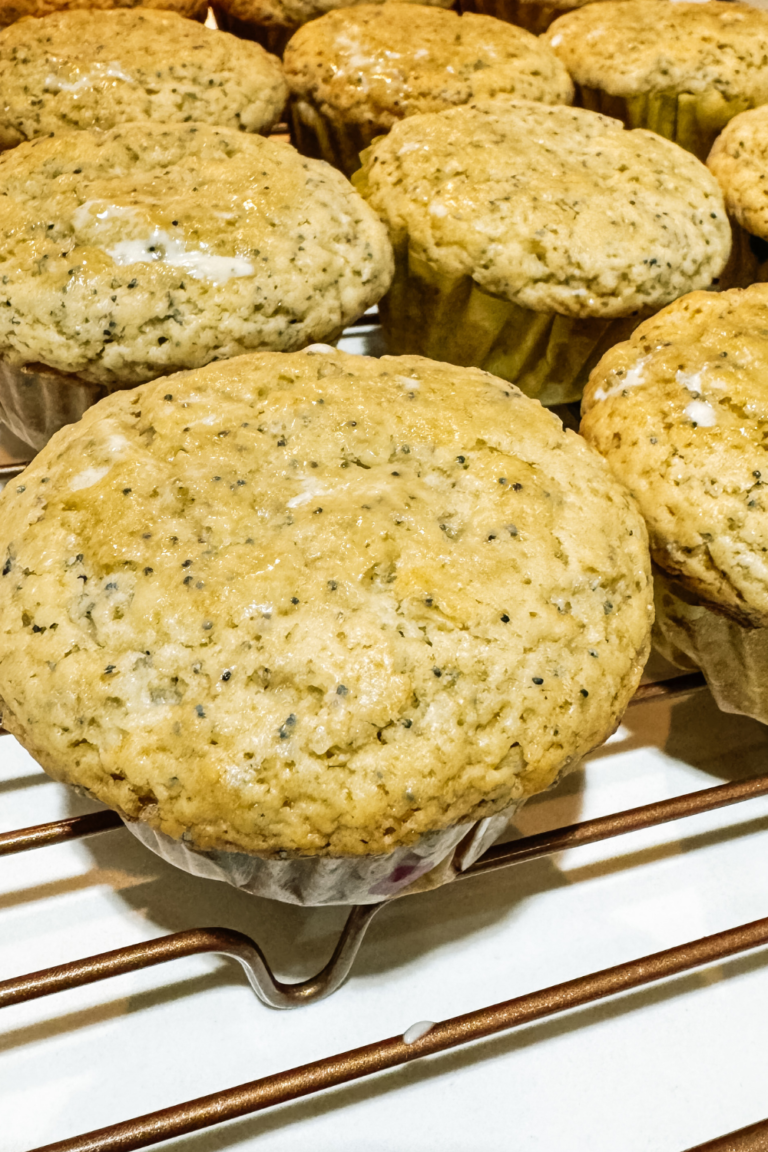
679	413
357	71
272	22
739	161
316	606
529	239
534	15
78	69
680	69
128	254
13	10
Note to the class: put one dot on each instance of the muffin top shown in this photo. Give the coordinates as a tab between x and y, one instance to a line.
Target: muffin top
97	69
318	603
739	160
628	47
557	209
148	248
382	62
13	10
294	13
679	411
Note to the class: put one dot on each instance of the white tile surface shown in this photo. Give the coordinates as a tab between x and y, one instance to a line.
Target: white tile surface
660	1069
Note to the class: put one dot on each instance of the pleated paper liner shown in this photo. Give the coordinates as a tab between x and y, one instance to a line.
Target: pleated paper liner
273	37
322	137
732	656
748	262
532	16
692	120
547	355
316	880
36	401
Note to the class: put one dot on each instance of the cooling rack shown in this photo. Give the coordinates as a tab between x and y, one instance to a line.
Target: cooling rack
425	1038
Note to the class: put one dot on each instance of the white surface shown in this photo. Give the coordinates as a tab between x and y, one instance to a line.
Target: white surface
661	1069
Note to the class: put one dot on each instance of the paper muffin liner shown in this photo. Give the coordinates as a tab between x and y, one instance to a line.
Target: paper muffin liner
322	137
732	656
748	262
533	16
36	401
315	880
548	356
273	37
692	120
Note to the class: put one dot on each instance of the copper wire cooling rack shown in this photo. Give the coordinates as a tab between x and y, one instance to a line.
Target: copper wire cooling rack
431	1038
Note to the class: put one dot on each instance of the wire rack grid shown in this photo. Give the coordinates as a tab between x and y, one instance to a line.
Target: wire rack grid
425	1040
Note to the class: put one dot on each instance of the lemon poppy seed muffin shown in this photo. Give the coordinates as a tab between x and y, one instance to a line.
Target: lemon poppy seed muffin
681	69
273	22
318	605
79	69
131	253
679	412
357	71
739	160
528	239
13	10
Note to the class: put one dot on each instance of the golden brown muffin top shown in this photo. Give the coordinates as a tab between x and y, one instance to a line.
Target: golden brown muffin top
79	69
680	412
626	47
153	247
739	160
12	10
382	62
318	603
557	209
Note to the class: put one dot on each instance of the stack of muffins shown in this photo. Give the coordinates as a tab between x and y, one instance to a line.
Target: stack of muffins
312	621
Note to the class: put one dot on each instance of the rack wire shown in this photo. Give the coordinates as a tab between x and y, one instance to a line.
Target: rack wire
432	1038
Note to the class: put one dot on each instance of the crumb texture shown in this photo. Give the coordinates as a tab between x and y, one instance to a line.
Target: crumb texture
628	47
739	160
554	208
680	411
379	63
318	603
79	69
150	248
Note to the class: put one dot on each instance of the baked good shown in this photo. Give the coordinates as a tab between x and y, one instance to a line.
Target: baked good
739	161
13	10
131	253
356	71
98	69
534	15
318	605
681	69
679	413
273	22
528	239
